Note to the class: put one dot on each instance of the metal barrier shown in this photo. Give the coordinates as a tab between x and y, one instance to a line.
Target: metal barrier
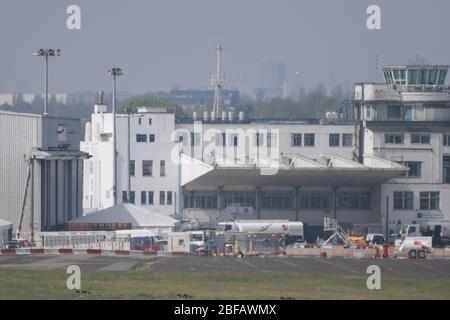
234	243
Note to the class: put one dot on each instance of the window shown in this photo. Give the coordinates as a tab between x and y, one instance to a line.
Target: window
150	197
195	139
132	197
143	197
407	113
334	139
259	139
442	75
105	137
429	201
394	138
162	168
234	140
415	169
403	200
200	200
271	140
141	137
353	200
296	140
420	138
169	197
139	121
315	199
412	77
162	198
147	168
180	242
277	200
124	197
309	139
347	140
151	138
446	169
149	121
244	199
132	168
446	138
394	112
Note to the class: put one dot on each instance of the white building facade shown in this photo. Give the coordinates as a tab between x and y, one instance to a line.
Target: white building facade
407	120
387	168
145	175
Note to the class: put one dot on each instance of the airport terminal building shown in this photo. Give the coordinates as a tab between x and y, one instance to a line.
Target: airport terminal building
387	167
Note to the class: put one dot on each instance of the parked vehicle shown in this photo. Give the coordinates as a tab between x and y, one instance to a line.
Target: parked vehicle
375	238
412	242
292	229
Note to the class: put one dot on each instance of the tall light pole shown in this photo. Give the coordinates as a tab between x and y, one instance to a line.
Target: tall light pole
47	53
115	72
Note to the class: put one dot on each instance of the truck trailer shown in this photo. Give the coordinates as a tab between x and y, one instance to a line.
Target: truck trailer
292	229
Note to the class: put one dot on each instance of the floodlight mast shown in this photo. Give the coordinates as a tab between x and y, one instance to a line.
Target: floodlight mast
115	73
217	82
45	53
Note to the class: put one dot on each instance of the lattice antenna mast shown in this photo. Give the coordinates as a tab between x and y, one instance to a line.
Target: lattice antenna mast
217	82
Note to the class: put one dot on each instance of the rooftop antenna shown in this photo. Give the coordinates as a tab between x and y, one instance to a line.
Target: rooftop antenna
377	65
217	81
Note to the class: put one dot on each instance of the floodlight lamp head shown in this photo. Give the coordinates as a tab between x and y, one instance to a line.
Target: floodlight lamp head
115	72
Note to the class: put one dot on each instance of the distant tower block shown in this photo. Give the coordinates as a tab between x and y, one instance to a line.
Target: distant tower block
217	82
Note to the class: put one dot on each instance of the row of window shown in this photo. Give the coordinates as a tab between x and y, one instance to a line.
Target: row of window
149	121
399	138
352	200
415	76
143	137
404	200
416	138
333	141
270	139
147	197
147	168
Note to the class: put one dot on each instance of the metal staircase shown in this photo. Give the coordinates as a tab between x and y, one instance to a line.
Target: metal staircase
229	214
330	224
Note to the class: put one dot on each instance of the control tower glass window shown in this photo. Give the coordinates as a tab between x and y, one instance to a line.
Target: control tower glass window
432	76
412	77
442	75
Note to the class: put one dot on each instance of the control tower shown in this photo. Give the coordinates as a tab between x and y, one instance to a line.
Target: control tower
416	75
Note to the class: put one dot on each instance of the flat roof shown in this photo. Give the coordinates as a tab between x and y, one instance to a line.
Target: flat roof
409	126
36	115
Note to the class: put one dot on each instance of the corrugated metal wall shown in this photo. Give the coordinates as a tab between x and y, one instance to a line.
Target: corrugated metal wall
19	133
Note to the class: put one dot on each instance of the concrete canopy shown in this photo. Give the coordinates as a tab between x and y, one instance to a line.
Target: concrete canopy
331	171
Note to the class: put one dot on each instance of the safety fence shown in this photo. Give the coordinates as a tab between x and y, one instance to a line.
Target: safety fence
248	244
66	251
362	253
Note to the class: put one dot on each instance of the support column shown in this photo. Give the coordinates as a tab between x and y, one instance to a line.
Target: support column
335	189
296	198
220	200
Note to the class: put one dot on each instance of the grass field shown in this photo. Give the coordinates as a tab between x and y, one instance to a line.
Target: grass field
145	284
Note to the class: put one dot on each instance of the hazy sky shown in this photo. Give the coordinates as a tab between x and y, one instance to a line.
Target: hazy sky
162	43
